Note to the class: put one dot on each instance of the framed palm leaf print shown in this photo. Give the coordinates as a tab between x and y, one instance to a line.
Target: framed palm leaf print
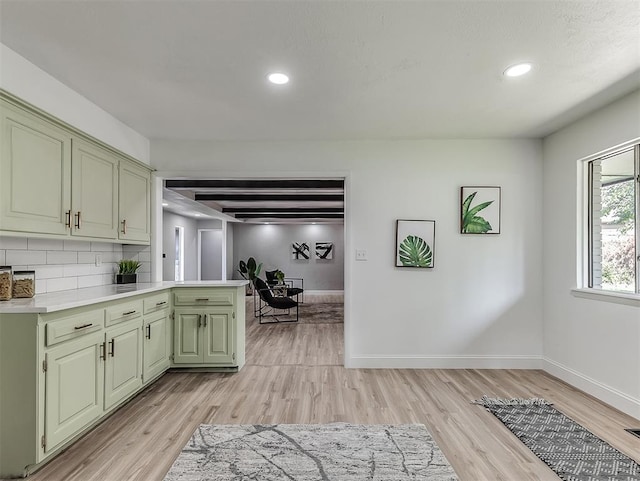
480	210
415	243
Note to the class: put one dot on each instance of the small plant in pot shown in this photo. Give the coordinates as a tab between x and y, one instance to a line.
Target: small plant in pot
280	276
249	270
127	271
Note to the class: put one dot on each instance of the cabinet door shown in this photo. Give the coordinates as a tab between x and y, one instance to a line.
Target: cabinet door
187	336
135	202
74	383
123	370
157	348
218	335
35	163
94	191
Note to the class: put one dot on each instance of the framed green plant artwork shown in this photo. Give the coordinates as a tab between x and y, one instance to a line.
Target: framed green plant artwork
415	243
480	210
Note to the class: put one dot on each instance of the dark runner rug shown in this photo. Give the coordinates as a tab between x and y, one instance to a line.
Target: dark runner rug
570	450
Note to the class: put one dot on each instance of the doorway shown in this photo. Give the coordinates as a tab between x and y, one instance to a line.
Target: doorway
212	254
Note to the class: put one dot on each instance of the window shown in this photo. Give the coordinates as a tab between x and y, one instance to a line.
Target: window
613	226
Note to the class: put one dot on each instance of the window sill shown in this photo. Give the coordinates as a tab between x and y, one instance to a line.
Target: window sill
626	298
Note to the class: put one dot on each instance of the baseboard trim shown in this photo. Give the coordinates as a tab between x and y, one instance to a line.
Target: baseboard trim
619	400
445	362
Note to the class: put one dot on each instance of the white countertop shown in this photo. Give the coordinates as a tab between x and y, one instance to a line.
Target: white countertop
58	301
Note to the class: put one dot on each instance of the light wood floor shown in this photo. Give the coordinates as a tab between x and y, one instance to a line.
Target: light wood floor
294	374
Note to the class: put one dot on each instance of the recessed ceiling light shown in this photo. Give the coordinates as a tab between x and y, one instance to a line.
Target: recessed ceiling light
278	78
197	215
267	223
517	70
164	204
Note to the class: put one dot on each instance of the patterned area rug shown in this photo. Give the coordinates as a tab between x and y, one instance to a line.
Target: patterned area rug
571	451
311	452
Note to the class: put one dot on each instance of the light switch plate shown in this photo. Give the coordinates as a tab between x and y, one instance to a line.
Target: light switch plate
98	260
361	255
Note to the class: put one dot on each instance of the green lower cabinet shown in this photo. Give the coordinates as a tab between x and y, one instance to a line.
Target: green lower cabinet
74	382
204	336
123	365
157	348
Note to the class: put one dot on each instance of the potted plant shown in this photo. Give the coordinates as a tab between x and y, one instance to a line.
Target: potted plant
280	276
127	271
249	270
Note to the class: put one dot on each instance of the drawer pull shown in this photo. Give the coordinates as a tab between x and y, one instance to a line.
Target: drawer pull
128	313
84	326
202	299
161	303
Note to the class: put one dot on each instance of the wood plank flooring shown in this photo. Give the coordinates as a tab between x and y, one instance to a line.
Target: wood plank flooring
294	374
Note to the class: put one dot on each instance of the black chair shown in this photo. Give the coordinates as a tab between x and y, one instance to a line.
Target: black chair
273	281
268	303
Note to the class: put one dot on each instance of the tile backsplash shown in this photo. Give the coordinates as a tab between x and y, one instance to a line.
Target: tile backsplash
70	264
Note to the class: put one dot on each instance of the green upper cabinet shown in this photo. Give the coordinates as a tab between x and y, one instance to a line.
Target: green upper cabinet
57	181
94	191
35	174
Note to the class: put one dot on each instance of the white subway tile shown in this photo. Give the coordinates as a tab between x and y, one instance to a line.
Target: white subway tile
44	244
75	245
145	267
89	281
101	247
71	270
47	271
41	286
62	284
144	277
13	242
87	258
144	257
62	257
15	257
111	257
2	256
107	279
19	268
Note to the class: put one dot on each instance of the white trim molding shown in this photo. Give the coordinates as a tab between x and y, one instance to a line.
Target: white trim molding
619	400
445	362
629	299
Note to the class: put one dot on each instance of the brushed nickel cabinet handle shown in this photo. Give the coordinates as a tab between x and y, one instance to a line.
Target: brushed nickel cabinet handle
77	216
103	351
67	222
124	226
84	326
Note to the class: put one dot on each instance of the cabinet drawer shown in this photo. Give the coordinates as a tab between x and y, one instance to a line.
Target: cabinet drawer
74	326
156	303
205	297
124	311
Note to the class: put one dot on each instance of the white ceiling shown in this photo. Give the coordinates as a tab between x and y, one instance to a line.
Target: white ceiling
359	69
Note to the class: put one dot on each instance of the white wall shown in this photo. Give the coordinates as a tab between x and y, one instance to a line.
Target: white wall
594	345
32	84
480	306
271	245
169	222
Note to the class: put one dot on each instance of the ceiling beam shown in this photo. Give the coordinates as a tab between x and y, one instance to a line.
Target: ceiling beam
289	216
255	184
267	197
257	210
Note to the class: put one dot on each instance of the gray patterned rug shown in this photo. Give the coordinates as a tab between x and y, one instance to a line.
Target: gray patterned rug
570	450
311	452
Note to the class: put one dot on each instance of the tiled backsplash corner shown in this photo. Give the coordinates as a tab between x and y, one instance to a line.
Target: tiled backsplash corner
142	254
69	264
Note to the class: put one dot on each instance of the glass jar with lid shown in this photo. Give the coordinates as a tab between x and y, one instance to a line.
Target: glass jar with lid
5	283
24	284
